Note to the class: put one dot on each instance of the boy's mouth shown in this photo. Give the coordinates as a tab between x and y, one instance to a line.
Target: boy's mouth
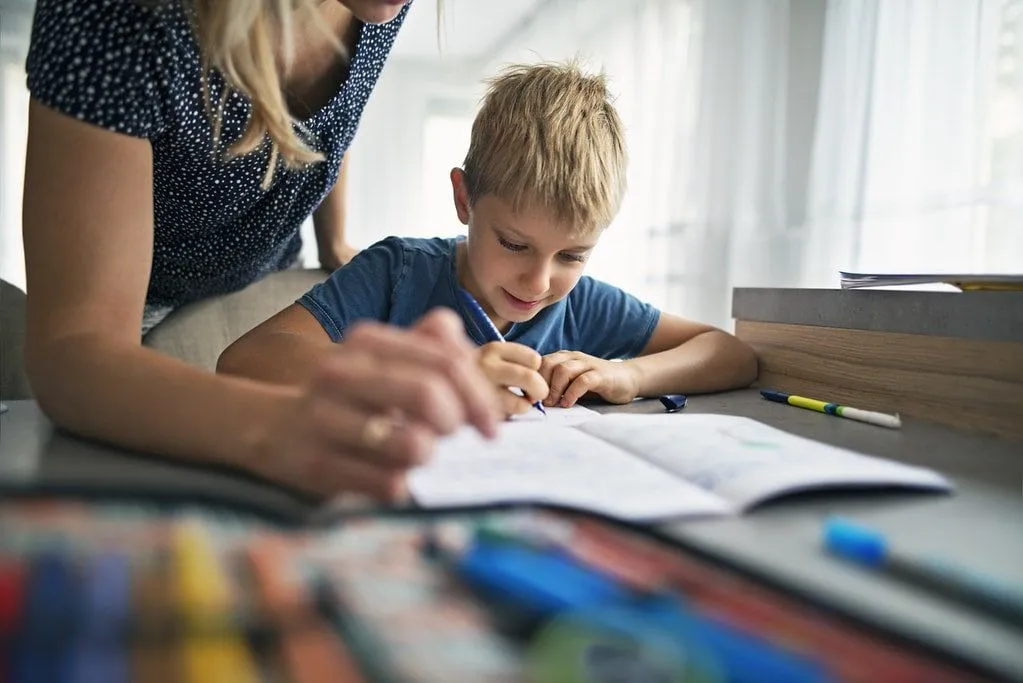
520	304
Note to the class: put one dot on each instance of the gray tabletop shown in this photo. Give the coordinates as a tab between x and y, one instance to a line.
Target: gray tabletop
981	524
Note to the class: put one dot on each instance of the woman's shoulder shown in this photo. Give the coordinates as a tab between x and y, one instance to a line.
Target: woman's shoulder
111	27
106	61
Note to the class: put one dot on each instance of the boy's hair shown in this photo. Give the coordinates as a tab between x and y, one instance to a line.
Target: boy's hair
548	135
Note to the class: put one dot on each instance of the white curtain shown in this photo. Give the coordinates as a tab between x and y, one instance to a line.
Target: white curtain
703	88
918	156
774	142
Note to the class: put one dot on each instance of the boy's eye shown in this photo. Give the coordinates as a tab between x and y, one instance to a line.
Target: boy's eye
573	258
510	246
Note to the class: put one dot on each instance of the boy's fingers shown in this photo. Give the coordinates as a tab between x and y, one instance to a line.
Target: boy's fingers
511	375
513	404
519	354
552	362
585	382
562	376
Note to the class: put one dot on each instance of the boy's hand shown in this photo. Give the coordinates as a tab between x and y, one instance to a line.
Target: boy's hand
570	374
507	365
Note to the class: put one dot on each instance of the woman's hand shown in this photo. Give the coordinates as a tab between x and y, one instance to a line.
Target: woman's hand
374	409
571	374
509	365
333	256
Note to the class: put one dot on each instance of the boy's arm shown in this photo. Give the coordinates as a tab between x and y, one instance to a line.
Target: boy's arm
285	349
685	356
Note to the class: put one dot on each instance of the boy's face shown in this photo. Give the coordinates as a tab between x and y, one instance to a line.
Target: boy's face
516	264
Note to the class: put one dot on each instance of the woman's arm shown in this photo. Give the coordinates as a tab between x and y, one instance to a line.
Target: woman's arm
88	230
329	222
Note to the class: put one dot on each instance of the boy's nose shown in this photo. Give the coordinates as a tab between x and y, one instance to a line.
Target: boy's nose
536	281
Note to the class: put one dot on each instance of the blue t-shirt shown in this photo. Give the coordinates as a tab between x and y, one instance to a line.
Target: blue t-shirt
134	68
397	280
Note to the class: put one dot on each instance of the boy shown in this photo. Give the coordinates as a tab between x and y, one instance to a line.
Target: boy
544	175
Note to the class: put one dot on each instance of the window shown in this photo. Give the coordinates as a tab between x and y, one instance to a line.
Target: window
445	142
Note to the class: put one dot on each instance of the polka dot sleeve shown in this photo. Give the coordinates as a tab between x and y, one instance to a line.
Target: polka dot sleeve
99	61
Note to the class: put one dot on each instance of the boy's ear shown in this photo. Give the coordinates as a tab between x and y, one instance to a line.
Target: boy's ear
461	194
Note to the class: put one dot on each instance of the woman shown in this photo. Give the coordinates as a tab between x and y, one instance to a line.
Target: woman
175	147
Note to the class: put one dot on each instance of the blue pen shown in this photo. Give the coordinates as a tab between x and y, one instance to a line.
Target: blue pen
869	548
487	326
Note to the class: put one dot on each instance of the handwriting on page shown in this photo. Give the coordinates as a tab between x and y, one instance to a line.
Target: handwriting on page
746	461
532	462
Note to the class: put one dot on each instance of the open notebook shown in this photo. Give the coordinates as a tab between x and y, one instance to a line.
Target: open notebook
645	467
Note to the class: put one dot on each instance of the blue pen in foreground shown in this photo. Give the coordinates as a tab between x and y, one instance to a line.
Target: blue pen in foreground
869	548
487	326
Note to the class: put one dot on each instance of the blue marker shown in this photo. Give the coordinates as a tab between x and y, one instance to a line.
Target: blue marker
41	651
487	326
870	549
100	655
673	402
546	584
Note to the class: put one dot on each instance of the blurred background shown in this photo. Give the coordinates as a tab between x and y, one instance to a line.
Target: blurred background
772	142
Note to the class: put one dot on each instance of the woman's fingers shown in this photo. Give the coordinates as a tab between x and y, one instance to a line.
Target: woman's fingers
322	472
429	379
363	380
306	459
446	328
380	437
374	409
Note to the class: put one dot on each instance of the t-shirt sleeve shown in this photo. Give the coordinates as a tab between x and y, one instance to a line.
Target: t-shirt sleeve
100	62
607	322
362	289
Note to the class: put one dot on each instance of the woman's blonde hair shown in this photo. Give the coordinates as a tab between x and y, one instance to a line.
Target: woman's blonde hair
548	135
250	42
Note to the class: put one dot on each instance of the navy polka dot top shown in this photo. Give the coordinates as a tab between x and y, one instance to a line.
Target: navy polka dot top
135	68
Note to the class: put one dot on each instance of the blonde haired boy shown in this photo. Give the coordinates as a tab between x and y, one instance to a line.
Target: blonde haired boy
544	176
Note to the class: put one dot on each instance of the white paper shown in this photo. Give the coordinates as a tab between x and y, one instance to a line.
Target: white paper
557	416
545	463
745	461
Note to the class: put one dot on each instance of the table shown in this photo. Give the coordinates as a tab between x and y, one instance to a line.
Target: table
982	523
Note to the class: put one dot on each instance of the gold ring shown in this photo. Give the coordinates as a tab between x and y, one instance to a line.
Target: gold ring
376	431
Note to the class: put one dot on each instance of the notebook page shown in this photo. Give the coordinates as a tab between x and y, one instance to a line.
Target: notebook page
747	462
558	416
540	463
